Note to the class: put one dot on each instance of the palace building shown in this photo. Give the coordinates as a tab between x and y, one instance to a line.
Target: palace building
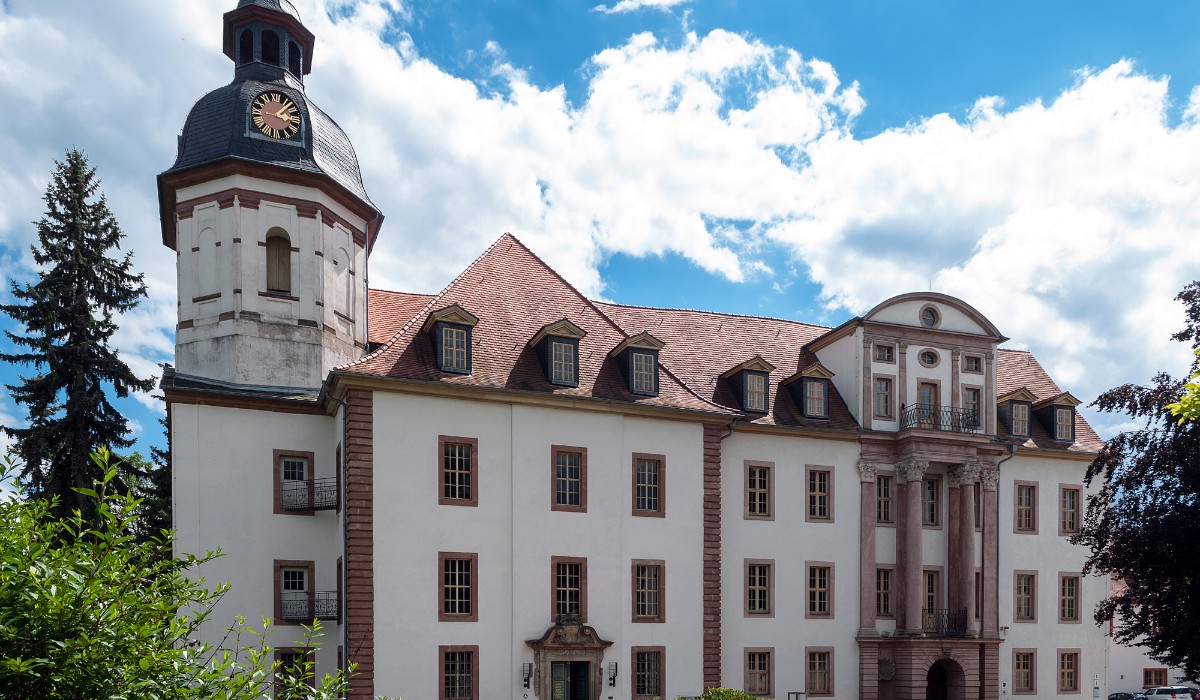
508	490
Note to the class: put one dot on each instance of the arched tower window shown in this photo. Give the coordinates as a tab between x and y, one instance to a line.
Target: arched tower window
294	58
343	301
245	47
279	261
270	47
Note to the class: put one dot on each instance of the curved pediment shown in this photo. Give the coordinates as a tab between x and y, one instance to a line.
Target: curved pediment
951	314
569	632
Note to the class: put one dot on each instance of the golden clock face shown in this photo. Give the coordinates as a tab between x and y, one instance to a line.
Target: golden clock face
275	115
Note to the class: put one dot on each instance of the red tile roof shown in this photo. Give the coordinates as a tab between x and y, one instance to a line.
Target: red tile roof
515	294
1016	369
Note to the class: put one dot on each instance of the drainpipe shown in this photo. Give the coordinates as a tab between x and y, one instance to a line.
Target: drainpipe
1012	452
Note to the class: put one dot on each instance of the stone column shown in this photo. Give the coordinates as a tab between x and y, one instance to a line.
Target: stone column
963	476
990	478
911	471
866	549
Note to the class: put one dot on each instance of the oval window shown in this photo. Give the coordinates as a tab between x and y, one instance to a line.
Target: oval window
929	358
929	317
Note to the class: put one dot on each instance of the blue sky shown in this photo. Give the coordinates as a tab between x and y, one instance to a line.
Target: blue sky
804	160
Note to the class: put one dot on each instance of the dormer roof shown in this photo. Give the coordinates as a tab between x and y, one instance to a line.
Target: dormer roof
815	370
754	364
642	341
1063	399
1018	394
562	328
451	314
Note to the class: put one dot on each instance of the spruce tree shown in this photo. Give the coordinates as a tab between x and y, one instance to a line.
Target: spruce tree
68	319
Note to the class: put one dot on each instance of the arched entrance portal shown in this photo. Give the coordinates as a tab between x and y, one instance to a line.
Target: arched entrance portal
945	680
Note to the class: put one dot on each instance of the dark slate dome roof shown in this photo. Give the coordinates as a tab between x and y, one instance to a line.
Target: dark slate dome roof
217	128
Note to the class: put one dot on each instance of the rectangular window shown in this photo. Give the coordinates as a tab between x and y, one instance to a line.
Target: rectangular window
931	510
459	586
1025	511
885	353
294	595
931	590
643	373
818	678
292	662
1068	598
569	478
460	673
458	455
1025	596
648	590
755	387
816	404
1068	671
1069	498
1020	419
883	499
1024	671
1152	677
292	472
570	586
649	669
760	500
760	580
1064	423
455	350
972	363
820	494
562	362
649	481
883	592
820	589
759	681
883	397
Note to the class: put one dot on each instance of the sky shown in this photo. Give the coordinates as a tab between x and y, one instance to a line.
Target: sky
788	158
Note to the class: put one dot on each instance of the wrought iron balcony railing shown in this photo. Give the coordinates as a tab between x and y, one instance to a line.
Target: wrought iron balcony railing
301	606
310	494
954	420
941	622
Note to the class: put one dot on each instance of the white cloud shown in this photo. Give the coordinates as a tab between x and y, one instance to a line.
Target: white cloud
1068	221
625	6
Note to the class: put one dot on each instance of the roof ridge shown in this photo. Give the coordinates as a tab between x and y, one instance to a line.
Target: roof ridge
387	344
715	313
397	291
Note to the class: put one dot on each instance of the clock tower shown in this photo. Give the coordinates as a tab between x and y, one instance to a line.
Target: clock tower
271	225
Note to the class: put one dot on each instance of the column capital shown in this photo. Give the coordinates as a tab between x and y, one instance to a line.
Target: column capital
866	470
955	354
965	474
990	478
912	469
867	340
902	346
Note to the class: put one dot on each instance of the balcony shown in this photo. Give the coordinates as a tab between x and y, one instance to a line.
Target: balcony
309	494
942	622
952	420
300	606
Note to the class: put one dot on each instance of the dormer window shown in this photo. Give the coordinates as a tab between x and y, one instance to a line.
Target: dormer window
754	397
643	372
751	383
638	356
1057	415
811	389
1019	419
1064	424
450	331
557	344
816	397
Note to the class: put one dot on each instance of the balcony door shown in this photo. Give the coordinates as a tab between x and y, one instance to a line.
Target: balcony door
927	404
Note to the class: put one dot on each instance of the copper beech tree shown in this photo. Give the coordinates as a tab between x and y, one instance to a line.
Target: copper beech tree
1143	524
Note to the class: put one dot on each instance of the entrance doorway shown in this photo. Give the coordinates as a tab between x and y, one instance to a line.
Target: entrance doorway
935	682
569	680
